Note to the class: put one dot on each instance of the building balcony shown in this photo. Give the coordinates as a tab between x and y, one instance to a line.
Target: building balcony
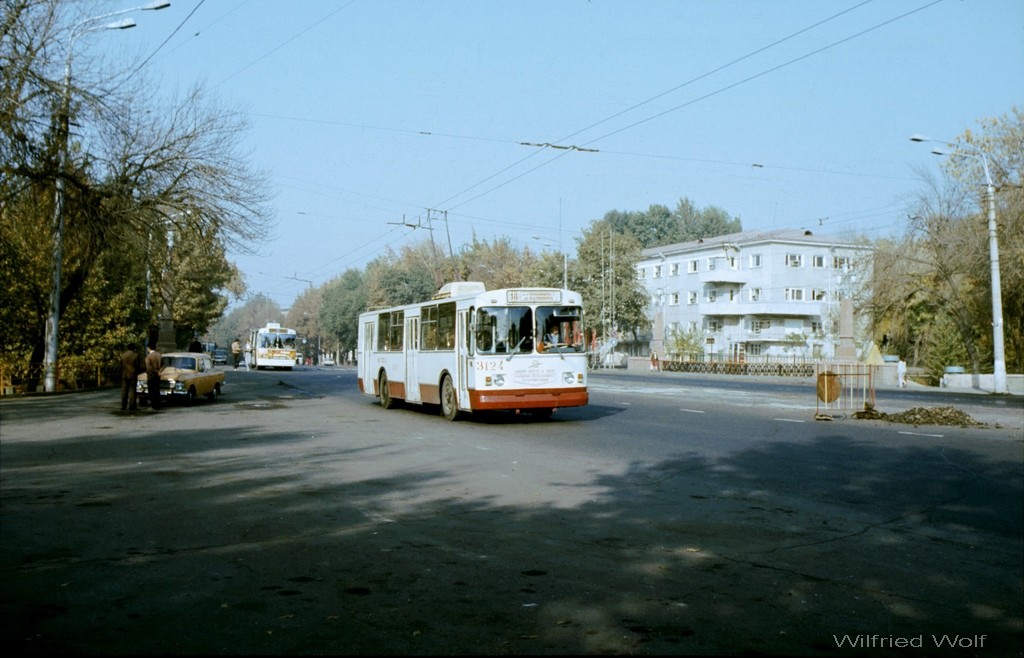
737	277
787	309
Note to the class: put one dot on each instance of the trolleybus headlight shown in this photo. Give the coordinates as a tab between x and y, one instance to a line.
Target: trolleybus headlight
499	380
568	378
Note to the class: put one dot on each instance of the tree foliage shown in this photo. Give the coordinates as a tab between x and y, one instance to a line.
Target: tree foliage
936	279
660	226
344	299
255	312
605	274
136	173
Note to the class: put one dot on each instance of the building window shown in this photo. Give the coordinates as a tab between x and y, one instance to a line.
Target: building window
816	327
794	260
794	294
840	263
691	266
712	295
691	326
757	326
732	294
692	297
714	325
818	294
673	269
755	260
674	299
755	294
711	264
673	328
755	349
733	262
817	261
642	272
657	271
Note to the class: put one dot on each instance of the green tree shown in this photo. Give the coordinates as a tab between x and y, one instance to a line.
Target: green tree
304	318
660	226
605	274
943	346
344	298
202	280
406	278
707	222
498	264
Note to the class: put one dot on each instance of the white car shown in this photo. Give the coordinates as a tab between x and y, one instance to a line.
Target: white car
328	361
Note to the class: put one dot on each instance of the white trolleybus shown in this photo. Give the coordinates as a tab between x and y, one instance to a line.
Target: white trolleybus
469	349
273	346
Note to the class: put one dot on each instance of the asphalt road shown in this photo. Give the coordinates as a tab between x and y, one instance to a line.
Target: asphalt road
671	515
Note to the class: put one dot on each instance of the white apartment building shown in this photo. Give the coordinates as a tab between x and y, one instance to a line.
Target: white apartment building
752	294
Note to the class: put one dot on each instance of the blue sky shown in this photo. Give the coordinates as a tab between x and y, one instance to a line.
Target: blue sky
787	114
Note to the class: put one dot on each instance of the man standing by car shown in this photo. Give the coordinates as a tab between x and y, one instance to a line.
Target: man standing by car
153	376
131	366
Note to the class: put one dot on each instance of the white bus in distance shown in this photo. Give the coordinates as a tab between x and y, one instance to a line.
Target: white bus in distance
469	349
273	346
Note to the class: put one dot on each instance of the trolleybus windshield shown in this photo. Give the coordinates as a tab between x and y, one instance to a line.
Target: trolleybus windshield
513	329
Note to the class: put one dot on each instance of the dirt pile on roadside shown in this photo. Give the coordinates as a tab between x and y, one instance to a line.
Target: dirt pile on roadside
923	416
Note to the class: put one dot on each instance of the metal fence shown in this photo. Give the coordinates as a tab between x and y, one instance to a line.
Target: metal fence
72	375
843	389
765	366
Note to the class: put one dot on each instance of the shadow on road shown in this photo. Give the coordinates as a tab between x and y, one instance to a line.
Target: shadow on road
249	541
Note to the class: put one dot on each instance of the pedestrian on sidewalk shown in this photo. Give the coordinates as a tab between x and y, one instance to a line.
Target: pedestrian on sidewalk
901	372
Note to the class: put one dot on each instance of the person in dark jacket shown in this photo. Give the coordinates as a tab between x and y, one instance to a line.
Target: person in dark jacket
131	366
153	376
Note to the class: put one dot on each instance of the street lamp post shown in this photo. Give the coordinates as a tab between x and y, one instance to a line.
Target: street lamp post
998	347
53	319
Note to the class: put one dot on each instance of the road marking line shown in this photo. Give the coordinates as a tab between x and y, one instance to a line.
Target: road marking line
789	420
692	411
922	434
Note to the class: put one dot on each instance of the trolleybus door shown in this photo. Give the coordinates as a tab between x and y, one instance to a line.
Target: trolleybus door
412	348
462	351
365	367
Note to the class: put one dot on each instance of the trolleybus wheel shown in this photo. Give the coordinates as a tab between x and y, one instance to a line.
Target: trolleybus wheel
449	405
386	401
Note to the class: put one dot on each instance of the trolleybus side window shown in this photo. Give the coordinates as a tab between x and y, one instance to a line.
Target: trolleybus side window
437	327
428	328
446	326
389	331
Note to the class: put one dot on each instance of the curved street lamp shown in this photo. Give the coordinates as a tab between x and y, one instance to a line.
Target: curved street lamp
998	348
53	320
